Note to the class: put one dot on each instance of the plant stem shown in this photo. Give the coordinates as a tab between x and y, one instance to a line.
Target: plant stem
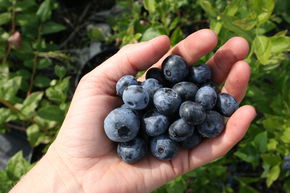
31	120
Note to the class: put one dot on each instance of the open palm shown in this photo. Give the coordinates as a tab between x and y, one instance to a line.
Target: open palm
84	152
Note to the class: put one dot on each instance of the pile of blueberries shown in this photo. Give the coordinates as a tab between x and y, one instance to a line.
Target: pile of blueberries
175	106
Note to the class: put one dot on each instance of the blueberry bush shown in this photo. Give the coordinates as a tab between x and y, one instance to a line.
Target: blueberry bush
36	80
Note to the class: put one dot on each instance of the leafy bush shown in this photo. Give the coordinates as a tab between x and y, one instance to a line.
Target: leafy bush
34	83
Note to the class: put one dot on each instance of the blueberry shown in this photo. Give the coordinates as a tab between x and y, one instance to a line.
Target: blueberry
192	112
163	148
175	69
180	130
210	84
121	125
124	82
200	74
206	96
186	90
192	141
157	74
226	104
166	101
135	97
151	85
132	151
286	163
155	123
212	126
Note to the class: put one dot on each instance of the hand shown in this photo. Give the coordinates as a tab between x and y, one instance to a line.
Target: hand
82	157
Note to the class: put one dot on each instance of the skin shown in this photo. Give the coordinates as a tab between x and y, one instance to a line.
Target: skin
82	159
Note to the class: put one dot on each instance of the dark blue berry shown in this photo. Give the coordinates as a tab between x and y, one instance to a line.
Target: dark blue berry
212	126
206	96
186	90
157	74
155	123
180	130
124	82
136	97
121	125
166	101
286	163
192	112
151	85
163	148
200	74
226	104
192	141
132	151
175	69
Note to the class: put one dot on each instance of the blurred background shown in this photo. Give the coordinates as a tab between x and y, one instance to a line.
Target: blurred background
46	46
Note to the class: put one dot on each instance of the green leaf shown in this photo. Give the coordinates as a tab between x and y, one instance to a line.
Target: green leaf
31	103
208	8
176	36
44	11
52	113
260	141
176	186
36	136
44	63
41	81
58	92
233	7
5	18
228	24
150	33
9	89
52	27
17	166
280	44
262	48
285	137
60	71
273	175
149	5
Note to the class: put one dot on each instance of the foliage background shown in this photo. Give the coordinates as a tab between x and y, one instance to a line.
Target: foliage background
36	80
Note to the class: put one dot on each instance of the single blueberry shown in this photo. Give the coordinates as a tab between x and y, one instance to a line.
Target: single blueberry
166	101
175	69
157	74
151	85
226	104
206	96
163	148
192	141
200	73
136	97
121	125
155	123
212	126
186	90
132	151
180	130
192	112
124	82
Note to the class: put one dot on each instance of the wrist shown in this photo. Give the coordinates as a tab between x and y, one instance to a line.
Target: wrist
50	174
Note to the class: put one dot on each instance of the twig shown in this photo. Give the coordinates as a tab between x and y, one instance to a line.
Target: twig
31	120
78	27
12	126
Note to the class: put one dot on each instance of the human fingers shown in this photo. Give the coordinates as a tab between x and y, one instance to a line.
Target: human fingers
234	50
